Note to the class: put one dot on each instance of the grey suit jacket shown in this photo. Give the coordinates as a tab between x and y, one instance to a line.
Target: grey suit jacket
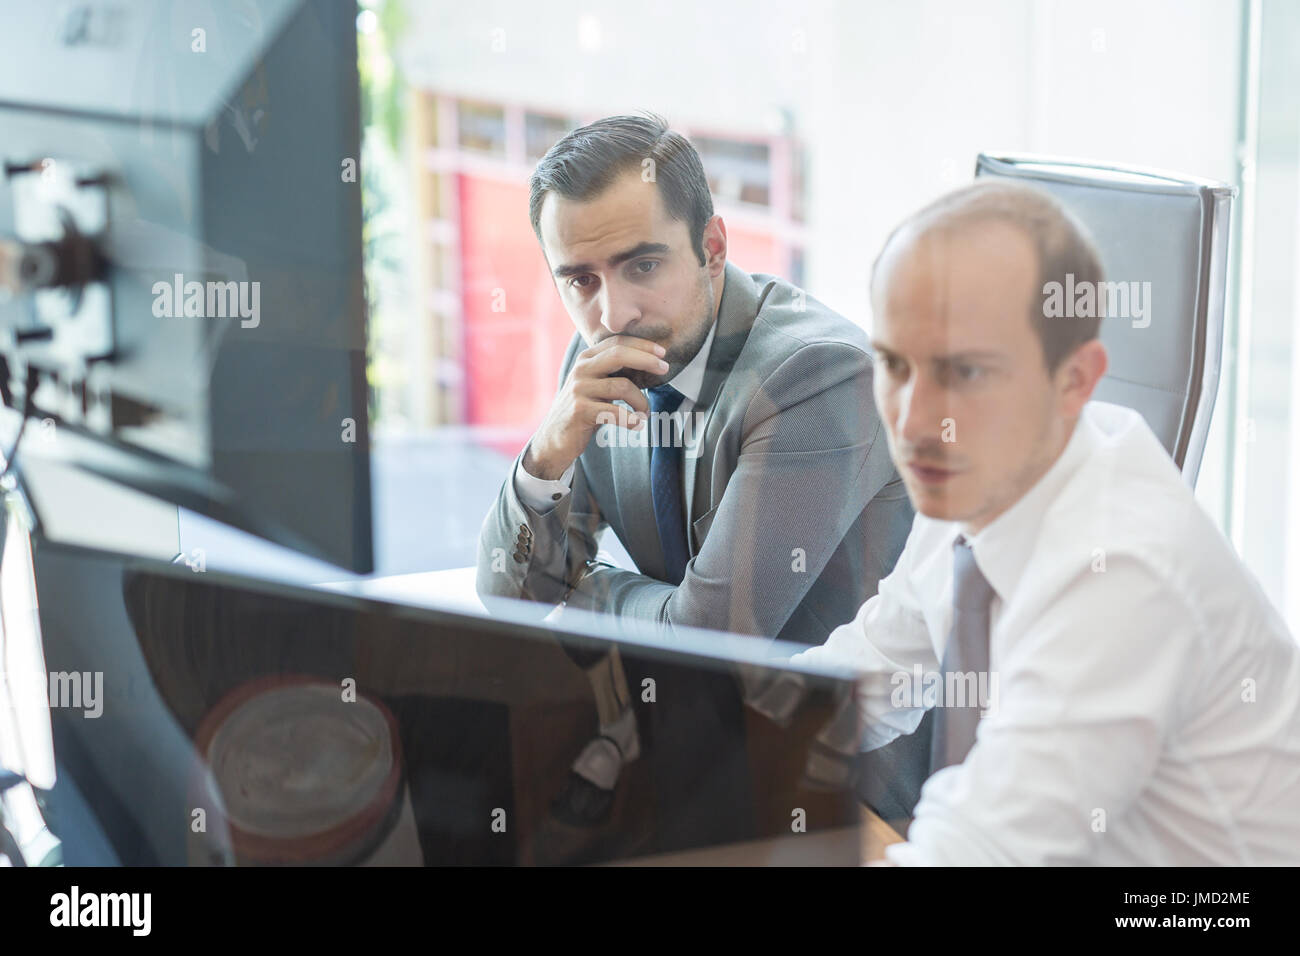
794	509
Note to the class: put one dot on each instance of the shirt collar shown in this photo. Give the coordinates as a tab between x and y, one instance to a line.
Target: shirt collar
1003	547
690	380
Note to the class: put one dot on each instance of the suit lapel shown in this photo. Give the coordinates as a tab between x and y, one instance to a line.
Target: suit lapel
630	467
736	314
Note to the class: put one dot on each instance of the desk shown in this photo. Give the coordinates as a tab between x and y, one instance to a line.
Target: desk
876	834
832	847
452	589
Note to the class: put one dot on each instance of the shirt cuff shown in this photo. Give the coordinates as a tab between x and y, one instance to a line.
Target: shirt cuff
541	494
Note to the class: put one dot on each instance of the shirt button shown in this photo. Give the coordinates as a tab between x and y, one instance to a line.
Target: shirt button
557	496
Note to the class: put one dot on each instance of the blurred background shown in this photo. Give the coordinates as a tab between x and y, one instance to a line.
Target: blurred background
820	127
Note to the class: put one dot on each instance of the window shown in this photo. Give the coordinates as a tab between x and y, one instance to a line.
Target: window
481	128
541	132
738	171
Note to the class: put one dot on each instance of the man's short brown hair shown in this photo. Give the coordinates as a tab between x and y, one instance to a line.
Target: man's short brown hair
1061	243
586	161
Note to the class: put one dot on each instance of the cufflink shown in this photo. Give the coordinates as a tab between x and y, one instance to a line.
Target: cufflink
557	496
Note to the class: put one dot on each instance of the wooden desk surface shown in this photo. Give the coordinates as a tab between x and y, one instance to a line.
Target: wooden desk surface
833	847
875	834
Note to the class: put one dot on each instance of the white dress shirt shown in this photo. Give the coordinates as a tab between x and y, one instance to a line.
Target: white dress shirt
1147	694
541	494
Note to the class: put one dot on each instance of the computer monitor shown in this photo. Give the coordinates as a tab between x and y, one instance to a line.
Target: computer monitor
339	729
180	216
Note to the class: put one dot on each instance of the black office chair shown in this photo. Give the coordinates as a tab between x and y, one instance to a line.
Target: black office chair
1149	226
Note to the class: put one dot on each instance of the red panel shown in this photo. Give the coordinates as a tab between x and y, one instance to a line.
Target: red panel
515	327
755	251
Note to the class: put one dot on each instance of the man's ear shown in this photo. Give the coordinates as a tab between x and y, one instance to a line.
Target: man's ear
1079	375
715	246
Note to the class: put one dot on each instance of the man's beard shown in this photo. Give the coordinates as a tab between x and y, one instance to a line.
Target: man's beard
679	355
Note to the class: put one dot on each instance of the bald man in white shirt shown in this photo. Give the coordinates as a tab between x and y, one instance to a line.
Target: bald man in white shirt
1109	683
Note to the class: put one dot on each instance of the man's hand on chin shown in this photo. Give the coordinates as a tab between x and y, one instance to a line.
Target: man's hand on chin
586	400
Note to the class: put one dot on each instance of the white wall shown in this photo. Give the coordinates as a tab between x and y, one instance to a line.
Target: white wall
717	64
916	90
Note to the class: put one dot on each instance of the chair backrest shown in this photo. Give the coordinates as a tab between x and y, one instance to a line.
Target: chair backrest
1163	241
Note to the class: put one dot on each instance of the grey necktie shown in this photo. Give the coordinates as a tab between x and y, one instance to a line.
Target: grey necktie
966	654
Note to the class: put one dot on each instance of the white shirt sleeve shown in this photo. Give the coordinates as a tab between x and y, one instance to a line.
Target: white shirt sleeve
541	494
1085	699
885	643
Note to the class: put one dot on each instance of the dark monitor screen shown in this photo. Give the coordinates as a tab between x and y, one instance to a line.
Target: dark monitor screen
226	719
210	351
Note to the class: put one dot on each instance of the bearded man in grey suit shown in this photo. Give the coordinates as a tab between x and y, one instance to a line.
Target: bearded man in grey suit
720	423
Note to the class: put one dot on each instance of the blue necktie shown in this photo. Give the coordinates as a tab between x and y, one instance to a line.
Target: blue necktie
666	480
